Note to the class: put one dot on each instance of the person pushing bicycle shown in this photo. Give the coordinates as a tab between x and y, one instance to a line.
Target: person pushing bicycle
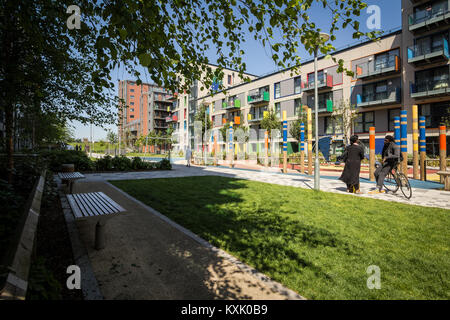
391	156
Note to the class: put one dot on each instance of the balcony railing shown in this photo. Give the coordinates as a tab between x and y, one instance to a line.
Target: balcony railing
233	104
370	69
436	14
326	106
324	83
258	97
380	98
430	88
425	52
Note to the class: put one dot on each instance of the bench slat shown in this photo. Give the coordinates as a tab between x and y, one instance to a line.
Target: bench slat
74	206
92	205
100	209
86	209
105	203
108	201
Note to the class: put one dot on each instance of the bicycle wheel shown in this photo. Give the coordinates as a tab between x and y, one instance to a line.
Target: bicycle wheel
405	186
390	183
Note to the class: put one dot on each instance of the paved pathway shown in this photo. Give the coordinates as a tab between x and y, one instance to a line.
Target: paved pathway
147	256
427	194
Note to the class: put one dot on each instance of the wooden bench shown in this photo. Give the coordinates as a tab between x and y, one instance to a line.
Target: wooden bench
446	176
70	177
94	205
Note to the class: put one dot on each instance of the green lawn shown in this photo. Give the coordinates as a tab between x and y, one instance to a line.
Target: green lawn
318	244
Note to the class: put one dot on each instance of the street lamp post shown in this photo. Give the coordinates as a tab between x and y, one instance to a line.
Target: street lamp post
323	38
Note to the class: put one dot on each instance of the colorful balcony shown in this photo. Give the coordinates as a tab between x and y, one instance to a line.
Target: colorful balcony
257	97
435	15
234	104
326	106
429	89
378	99
324	83
424	53
370	70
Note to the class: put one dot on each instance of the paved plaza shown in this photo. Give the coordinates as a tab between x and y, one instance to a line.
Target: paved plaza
428	194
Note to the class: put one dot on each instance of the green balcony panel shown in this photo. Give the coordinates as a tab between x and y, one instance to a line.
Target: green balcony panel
224	105
266	96
237	103
249	98
329	105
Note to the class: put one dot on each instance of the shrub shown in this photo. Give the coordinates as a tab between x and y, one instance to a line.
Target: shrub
164	164
137	163
104	164
56	158
121	163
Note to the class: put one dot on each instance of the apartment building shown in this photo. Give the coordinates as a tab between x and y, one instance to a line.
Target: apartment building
426	26
187	104
404	67
146	107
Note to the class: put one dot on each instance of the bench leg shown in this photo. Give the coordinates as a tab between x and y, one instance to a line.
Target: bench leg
100	239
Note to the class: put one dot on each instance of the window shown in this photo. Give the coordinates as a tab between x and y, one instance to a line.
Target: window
364	122
375	91
185	125
333	126
311	77
184	113
278	110
392	113
432	79
277	90
297	85
297	107
132	103
229	79
385	60
131	96
131	90
434	113
185	101
132	116
131	109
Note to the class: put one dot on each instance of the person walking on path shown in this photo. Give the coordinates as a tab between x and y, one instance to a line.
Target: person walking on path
188	156
352	157
391	156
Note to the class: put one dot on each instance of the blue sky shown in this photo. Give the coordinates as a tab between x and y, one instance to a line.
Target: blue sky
258	59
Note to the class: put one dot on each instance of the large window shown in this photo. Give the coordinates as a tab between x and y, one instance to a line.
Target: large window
385	60
297	85
333	125
375	91
364	121
277	90
320	77
278	110
323	98
297	107
392	113
435	114
432	79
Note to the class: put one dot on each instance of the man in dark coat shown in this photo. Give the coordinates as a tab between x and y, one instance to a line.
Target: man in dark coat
352	157
391	157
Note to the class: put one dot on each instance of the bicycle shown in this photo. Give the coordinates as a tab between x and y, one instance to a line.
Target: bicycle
395	180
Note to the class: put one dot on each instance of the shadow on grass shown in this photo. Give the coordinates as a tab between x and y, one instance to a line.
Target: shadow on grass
257	233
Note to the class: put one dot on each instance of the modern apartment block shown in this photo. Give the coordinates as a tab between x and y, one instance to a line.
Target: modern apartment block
149	108
187	104
405	67
425	37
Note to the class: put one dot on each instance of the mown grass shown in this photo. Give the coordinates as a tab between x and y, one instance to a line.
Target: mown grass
318	244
